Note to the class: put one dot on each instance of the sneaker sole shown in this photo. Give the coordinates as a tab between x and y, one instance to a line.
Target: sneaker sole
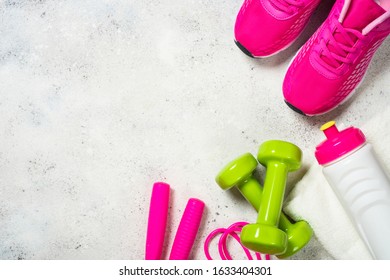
248	53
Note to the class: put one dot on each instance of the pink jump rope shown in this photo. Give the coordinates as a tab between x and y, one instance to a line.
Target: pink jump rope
233	231
158	213
186	232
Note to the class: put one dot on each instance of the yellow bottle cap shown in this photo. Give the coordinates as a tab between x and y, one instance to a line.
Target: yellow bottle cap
327	125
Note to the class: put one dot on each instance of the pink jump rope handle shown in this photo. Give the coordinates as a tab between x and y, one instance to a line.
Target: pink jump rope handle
187	230
157	221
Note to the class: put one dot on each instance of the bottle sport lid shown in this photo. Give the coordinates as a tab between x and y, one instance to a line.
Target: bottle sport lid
338	143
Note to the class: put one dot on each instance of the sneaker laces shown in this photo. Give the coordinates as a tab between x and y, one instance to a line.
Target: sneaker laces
335	52
287	6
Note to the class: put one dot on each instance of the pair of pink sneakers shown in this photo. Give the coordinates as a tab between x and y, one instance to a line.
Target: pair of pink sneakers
332	63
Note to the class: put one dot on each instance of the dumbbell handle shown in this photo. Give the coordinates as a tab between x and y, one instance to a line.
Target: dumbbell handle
253	192
273	191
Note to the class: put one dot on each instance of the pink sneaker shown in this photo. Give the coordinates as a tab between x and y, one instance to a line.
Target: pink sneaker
266	27
332	63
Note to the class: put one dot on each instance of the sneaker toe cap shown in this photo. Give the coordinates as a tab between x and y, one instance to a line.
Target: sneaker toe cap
308	92
258	32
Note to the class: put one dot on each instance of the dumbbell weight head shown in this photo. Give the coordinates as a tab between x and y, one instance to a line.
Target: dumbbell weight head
280	151
298	234
236	171
264	238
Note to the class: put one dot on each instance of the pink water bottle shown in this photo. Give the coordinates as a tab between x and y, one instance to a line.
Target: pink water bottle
352	169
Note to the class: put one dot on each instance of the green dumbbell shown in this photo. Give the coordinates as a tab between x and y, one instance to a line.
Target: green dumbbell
239	173
264	236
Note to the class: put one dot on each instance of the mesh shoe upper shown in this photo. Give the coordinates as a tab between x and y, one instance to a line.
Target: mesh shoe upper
333	62
265	27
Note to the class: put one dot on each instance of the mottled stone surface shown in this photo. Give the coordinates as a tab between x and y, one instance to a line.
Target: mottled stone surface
99	99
